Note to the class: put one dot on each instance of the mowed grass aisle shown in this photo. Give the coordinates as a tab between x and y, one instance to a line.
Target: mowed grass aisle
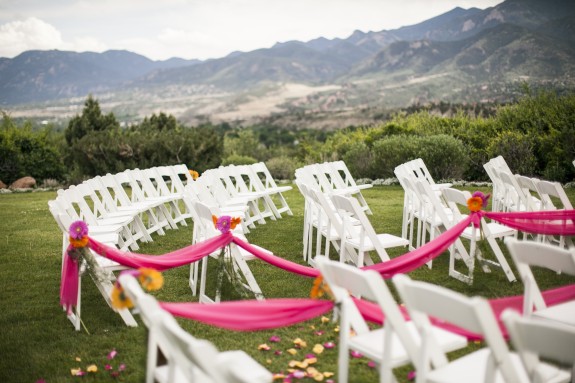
38	342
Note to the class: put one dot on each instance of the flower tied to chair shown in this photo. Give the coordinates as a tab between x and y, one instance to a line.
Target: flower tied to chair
320	288
78	238
225	223
195	175
150	280
477	203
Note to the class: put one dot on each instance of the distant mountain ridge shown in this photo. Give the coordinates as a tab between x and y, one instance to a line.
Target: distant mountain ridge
515	40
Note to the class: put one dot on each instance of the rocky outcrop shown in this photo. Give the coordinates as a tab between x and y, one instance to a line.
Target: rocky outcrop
3	185
23	183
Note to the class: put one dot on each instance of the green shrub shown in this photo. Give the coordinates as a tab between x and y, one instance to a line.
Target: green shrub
236	159
517	149
359	160
392	151
282	168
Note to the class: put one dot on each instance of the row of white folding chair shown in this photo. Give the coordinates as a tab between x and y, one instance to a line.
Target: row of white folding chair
205	229
332	178
113	218
249	178
245	181
188	359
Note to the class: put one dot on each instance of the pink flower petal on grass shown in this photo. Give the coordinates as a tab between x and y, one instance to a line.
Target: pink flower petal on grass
411	375
298	374
275	339
329	345
108	367
121	367
355	354
112	354
371	364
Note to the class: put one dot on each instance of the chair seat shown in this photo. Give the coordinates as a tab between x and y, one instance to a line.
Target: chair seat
371	343
240	367
564	313
387	240
497	230
472	367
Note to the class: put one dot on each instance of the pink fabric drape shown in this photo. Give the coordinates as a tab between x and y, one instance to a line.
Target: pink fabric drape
184	256
251	315
69	284
559	222
556	222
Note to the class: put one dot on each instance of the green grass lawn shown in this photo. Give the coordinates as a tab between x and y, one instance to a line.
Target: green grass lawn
38	342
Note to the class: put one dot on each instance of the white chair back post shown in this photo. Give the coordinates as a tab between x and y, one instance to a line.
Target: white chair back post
424	300
330	225
530	253
361	237
498	193
156	187
183	173
310	217
410	206
491	231
396	343
534	339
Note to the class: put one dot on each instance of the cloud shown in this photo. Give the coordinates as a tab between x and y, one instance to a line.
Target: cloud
32	33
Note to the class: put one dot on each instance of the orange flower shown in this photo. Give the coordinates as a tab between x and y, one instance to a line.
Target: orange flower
475	204
235	222
150	279
319	289
77	243
194	174
119	298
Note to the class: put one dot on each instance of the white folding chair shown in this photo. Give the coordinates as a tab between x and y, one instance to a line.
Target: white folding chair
156	187
393	345
188	359
529	187
494	363
530	253
534	339
491	232
553	197
361	238
237	255
343	183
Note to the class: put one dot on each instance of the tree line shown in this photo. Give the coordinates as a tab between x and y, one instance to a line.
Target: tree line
536	136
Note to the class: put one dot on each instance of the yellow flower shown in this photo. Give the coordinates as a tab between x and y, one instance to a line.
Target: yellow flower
319	289
119	298
92	368
77	243
150	279
299	343
194	174
475	204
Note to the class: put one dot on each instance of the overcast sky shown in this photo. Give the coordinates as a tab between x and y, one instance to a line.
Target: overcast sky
160	29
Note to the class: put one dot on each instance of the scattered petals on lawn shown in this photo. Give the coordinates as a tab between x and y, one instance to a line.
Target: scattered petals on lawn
78	359
264	347
325	319
299	343
318	348
411	375
292	351
355	354
92	368
371	364
275	339
329	345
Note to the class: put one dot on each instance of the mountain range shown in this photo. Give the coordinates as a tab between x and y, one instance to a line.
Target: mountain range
464	55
